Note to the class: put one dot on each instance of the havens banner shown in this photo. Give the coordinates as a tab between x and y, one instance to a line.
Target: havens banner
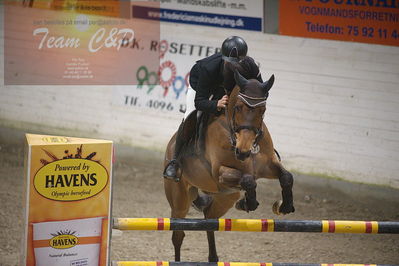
367	21
235	14
68	201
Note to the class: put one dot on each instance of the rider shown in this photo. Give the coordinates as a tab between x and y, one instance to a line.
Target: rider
206	78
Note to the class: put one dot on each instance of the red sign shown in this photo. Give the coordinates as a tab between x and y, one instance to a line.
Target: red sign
368	21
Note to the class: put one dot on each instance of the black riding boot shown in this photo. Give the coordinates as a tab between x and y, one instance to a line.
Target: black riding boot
172	167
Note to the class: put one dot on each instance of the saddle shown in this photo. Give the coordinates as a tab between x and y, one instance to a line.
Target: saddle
194	131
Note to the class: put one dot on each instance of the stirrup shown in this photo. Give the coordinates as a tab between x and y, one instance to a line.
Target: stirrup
171	176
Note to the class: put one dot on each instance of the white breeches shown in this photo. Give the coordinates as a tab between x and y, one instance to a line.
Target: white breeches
190	106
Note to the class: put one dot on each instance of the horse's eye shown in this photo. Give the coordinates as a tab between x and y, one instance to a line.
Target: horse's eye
239	107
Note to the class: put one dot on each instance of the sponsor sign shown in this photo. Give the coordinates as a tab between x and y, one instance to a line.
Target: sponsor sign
72	44
77	243
368	21
235	14
177	56
68	199
58	180
111	8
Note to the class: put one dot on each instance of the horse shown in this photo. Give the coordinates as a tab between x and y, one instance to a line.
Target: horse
238	149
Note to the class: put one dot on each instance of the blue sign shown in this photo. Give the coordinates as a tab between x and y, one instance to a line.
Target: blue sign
198	18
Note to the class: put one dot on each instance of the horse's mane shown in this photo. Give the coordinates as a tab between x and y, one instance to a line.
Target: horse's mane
247	68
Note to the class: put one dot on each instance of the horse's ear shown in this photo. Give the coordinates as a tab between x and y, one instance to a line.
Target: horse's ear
240	80
268	84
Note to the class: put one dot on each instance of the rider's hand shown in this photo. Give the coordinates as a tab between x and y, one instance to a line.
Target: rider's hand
222	103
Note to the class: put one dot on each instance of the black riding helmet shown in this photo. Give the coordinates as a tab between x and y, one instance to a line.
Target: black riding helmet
234	48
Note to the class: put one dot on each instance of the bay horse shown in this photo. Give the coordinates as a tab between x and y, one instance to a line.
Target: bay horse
238	150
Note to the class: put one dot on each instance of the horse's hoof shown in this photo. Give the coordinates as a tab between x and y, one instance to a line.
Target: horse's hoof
241	206
252	205
244	205
213	259
202	202
287	209
276	207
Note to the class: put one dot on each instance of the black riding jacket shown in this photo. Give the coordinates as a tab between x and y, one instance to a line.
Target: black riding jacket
206	78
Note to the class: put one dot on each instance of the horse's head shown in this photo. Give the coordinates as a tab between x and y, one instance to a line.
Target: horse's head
247	113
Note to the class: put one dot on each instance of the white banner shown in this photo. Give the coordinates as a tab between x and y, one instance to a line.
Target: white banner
177	59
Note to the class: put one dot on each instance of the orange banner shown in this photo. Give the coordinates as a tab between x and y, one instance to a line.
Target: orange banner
368	21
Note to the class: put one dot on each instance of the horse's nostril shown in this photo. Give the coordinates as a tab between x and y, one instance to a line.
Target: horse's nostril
237	151
241	155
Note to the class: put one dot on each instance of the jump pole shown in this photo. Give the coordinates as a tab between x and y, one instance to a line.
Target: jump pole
165	263
257	225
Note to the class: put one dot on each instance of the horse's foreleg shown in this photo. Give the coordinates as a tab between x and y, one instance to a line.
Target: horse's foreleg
202	202
179	199
178	236
213	256
220	205
249	202
229	176
286	182
177	240
235	179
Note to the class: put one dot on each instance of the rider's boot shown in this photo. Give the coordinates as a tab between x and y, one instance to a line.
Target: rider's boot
172	167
